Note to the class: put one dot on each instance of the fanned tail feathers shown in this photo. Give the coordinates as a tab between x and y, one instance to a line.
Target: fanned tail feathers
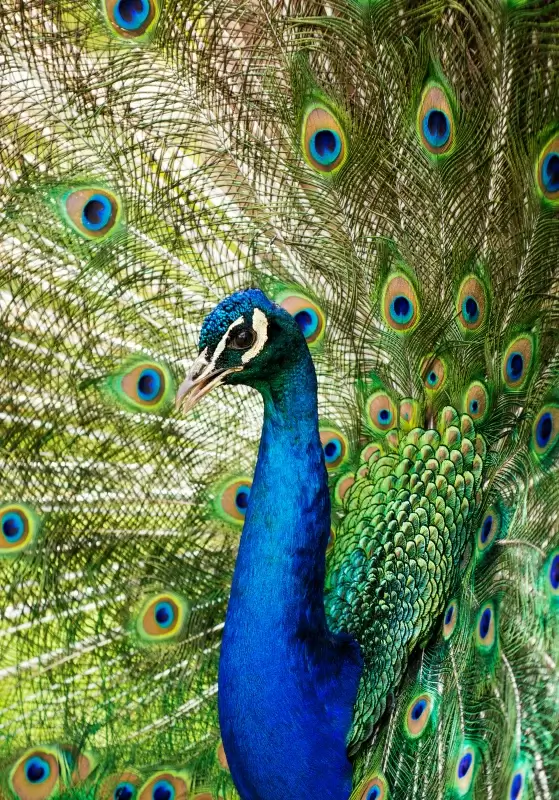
389	173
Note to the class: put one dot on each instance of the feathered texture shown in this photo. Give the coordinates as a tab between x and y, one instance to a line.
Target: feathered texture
389	173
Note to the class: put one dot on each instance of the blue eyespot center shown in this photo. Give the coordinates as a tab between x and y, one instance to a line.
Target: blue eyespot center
37	770
96	212
241	499
470	309
149	384
544	429
449	615
385	416
550	172
464	765
332	450
164	614
131	14
516	786
325	146
163	790
436	127
401	309
474	406
515	366
124	791
13	526
554	572
432	378
373	794
307	320
486	528
484	623
418	709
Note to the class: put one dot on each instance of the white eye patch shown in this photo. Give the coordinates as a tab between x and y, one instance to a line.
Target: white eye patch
222	344
260	327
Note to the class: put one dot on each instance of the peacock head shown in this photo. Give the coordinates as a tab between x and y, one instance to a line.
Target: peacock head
245	339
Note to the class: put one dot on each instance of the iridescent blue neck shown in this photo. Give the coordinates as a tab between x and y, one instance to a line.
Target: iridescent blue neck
286	685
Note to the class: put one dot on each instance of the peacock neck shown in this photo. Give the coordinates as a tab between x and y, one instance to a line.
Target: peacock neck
286	685
288	519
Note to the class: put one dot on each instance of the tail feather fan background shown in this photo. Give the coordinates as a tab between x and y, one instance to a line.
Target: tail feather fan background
156	156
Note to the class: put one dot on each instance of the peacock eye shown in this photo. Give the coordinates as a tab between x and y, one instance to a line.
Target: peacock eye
243	339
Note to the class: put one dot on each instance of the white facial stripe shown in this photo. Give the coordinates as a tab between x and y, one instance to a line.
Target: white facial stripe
260	327
223	342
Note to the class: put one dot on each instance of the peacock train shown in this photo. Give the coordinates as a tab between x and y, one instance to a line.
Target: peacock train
279	399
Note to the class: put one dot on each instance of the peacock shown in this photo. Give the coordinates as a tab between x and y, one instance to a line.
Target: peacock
279	417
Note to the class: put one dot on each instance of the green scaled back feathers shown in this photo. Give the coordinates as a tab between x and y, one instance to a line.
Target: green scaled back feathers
389	173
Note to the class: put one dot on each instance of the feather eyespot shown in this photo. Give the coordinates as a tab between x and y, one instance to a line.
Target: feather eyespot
489	529
79	764
381	412
83	767
471	304
147	383
419	713
92	212
120	786
433	372
400	304
545	430
18	528
124	791
163	790
465	767
37	770
547	171
450	619
307	315
343	485
142	386
485	627
374	788
476	401
516	786
324	141
435	121
131	19
335	448
551	571
162	617
517	362
232	501
164	786
409	414
36	775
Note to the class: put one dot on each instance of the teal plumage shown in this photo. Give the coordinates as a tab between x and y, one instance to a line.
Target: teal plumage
389	174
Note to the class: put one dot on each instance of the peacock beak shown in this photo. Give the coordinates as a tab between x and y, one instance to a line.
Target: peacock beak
201	379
